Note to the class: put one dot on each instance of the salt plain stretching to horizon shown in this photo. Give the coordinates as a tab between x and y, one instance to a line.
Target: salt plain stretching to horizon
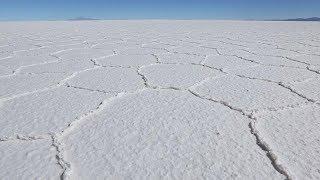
159	99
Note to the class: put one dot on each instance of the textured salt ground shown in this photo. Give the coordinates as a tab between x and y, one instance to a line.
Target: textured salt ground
67	67
270	60
228	63
25	115
177	76
15	62
176	58
159	100
127	60
84	54
277	74
295	142
247	94
24	83
194	50
140	51
158	132
312	59
5	70
28	160
110	79
310	88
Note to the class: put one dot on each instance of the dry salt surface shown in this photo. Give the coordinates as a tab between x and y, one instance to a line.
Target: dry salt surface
159	100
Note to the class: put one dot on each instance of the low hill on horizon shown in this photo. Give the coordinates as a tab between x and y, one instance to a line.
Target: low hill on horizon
300	19
82	19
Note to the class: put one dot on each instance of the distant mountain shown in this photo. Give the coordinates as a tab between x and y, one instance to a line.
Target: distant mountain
300	19
82	19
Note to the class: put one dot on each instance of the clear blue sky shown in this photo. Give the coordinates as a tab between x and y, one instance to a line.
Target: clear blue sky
157	9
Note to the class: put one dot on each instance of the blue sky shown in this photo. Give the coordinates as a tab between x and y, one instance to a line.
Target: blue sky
157	9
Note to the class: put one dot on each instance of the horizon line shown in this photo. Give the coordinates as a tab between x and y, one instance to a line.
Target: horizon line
82	18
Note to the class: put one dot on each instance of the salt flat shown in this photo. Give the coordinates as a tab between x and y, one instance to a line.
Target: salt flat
159	100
